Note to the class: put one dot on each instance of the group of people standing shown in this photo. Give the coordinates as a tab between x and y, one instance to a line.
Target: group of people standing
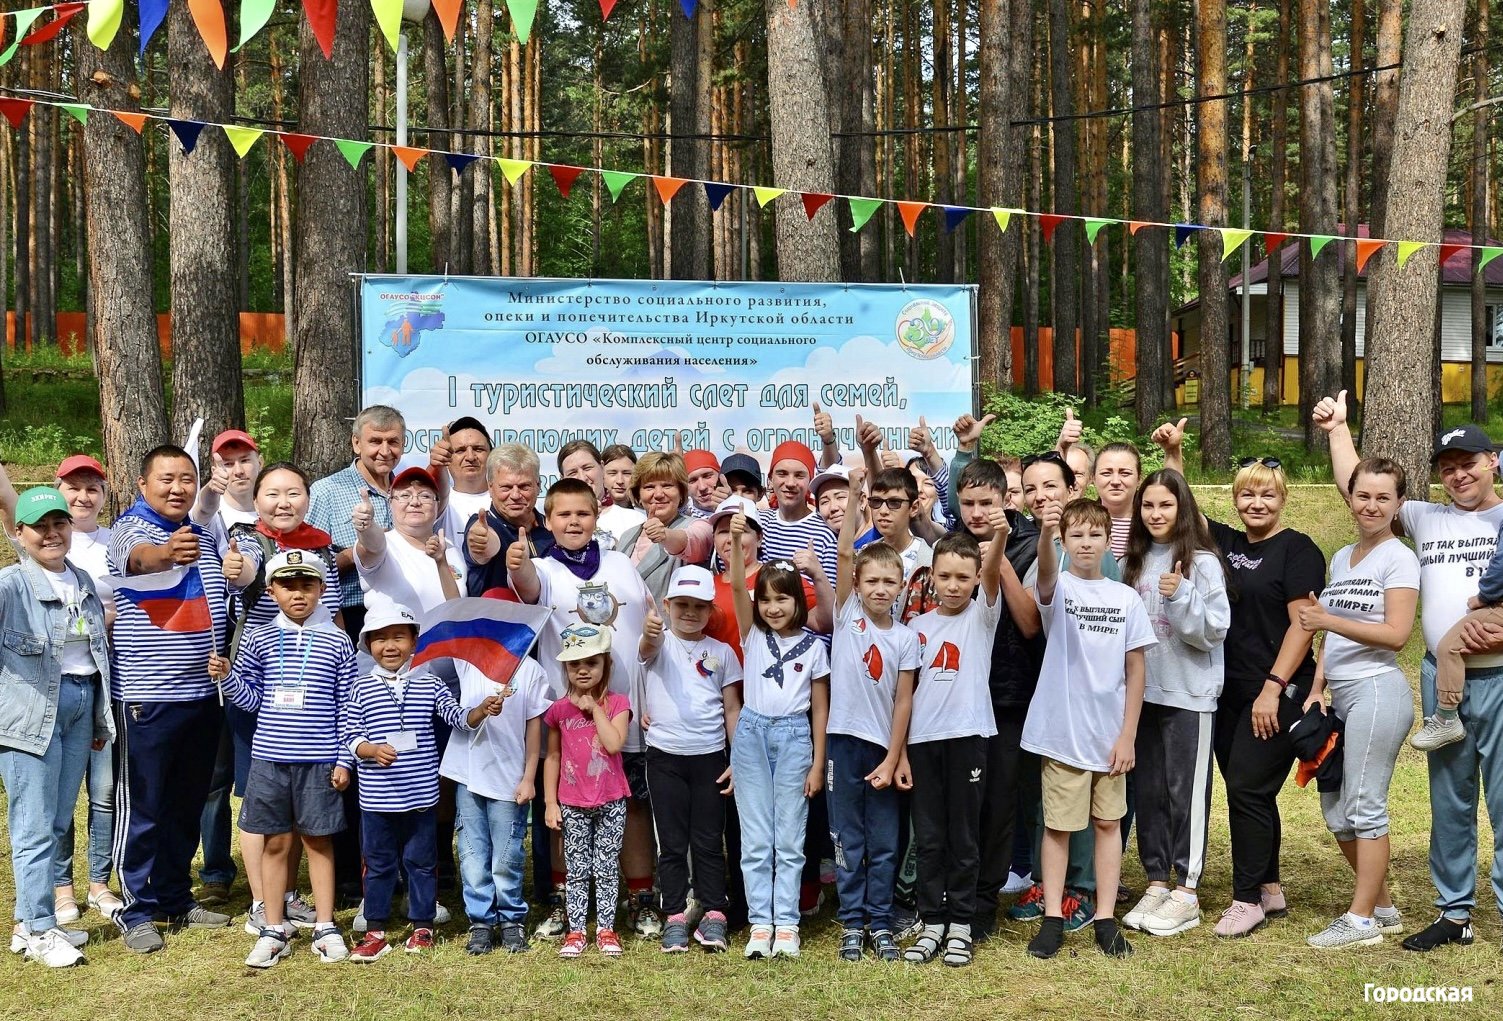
941	676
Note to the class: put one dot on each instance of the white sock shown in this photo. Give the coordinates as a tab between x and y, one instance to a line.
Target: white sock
963	931
1387	912
936	932
257	905
1359	921
1185	897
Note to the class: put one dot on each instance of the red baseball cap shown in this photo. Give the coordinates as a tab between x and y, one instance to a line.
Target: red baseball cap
793	450
694	460
416	473
229	436
79	463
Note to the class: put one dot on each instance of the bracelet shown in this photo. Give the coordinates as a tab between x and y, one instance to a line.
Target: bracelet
1276	679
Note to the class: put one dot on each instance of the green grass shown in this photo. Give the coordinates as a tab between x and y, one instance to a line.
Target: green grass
1273	974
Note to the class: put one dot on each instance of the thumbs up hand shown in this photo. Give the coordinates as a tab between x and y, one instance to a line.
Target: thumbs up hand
868	435
1070	431
920	439
652	627
1330	412
654	529
234	565
1171	435
968	429
364	514
436	547
182	546
479	540
219	476
807	561
1312	615
824	425
1169	582
515	555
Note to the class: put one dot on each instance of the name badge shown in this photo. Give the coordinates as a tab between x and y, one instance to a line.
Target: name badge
288	698
403	740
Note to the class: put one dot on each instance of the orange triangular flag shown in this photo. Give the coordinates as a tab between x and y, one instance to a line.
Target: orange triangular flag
135	121
408	155
1133	226
1366	249
668	187
910	211
448	15
208	18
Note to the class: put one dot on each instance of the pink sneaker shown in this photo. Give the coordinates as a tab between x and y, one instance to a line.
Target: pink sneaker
1274	904
1241	919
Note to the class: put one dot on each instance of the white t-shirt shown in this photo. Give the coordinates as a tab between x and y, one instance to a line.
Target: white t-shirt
76	657
953	697
90	552
559	590
229	516
1356	593
762	693
617	521
460	509
491	760
1454	548
1077	710
404	574
681	695
918	554
864	664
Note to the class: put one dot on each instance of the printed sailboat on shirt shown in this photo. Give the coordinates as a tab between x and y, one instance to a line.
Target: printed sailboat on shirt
946	663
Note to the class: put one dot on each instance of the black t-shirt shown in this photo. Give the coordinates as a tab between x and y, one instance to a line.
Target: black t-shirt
1262	578
1015	659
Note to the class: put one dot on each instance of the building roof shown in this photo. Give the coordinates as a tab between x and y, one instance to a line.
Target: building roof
1457	271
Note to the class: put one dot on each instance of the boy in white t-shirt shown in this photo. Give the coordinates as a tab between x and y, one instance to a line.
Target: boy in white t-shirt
872	666
496	772
952	718
1083	720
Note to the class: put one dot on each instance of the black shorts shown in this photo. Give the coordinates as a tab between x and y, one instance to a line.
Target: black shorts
635	766
282	797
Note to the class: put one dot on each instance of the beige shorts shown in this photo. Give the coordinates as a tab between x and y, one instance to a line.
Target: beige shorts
1073	797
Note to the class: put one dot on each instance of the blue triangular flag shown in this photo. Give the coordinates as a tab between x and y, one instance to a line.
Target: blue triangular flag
152	14
716	193
955	216
1183	231
458	161
689	7
187	133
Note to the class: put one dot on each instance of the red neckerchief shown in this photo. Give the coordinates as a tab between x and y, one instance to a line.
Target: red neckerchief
304	537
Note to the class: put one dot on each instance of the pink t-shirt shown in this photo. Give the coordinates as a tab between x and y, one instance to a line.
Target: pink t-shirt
587	776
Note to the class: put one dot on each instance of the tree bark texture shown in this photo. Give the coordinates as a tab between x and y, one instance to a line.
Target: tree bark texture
997	181
1481	325
691	42
1150	247
1210	175
1064	281
1352	186
1320	278
1273	326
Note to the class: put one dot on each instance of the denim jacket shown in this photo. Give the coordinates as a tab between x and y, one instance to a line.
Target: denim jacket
33	623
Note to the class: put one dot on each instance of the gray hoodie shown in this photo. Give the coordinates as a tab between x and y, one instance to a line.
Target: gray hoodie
1186	669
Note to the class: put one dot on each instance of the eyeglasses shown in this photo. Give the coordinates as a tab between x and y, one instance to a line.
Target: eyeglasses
418	496
889	503
1266	462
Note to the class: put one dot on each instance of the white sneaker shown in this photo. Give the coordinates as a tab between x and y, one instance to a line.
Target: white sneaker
53	948
1172	916
1390	922
329	945
441	915
760	943
1151	899
19	936
555	925
360	924
786	943
1437	733
1016	883
1342	933
271	947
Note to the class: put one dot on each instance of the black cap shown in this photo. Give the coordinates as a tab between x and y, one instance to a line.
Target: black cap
468	422
743	464
1467	438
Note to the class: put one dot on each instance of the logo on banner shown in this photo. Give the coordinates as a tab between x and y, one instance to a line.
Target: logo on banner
408	316
925	329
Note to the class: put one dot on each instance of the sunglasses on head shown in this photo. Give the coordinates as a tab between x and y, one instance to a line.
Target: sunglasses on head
1052	456
1266	462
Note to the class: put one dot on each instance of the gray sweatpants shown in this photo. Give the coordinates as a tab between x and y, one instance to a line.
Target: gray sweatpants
1378	712
1172	782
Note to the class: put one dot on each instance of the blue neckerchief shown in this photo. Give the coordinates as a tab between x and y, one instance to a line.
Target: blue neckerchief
584	564
775	672
143	510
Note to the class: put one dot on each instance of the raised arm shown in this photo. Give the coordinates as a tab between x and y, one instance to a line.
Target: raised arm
740	597
8	498
1048	560
845	554
370	538
829	442
995	556
1171	437
1330	415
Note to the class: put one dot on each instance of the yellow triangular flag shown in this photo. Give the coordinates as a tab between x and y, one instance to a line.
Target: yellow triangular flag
1408	248
1004	217
513	170
242	138
1232	238
766	195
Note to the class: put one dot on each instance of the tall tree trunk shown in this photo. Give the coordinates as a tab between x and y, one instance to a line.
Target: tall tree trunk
1064	281
1210	180
1320	278
944	57
21	156
997	180
1273	326
1390	49
480	121
799	114
1150	248
960	140
331	227
692	45
206	381
283	189
1399	351
1353	205
1481	325
1032	382
462	195
127	361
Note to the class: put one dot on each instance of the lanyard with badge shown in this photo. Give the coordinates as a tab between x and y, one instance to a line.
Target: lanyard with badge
291	694
403	740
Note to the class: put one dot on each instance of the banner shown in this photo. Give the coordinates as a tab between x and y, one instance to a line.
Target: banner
728	366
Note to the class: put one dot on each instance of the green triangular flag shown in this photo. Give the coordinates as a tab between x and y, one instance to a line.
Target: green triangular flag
254	14
1319	241
388	19
615	180
242	138
861	211
1004	216
522	13
104	21
1408	248
513	170
1232	238
24	20
353	151
77	111
1488	255
766	195
1093	227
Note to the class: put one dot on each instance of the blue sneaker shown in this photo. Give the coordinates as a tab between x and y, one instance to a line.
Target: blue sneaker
1078	908
676	935
1030	906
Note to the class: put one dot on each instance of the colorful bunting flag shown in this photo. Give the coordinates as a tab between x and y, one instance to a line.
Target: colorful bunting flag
352	151
448	16
15	110
955	216
1048	224
459	160
910	212
564	177
134	121
409	156
1366	249
814	201
1272	242
1319	242
689	7
1446	251
62	14
606	6
1408	248
1488	255
1182	232
616	180
667	187
242	138
296	144
389	19
513	170
320	15
152	14
254	14
716	193
1003	216
104	21
77	111
522	14
1133	226
766	195
861	211
24	20
208	18
187	133
1093	227
1232	238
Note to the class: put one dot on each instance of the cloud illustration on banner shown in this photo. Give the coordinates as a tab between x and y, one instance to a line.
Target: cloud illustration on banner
938	375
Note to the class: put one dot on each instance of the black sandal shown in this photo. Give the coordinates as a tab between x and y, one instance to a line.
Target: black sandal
922	950
958	951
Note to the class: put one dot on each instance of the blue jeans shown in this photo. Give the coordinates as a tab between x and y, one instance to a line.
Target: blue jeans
864	829
41	791
1454	772
491	857
101	780
770	759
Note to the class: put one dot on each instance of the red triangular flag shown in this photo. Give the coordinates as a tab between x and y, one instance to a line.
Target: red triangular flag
134	121
814	201
667	187
320	15
1049	222
408	155
15	110
1366	249
606	6
1272	241
1446	251
50	30
448	15
564	176
910	212
296	144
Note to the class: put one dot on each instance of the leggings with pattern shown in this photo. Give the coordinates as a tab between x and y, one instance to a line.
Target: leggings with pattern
592	847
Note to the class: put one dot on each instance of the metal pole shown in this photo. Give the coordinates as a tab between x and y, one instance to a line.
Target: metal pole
1245	376
401	140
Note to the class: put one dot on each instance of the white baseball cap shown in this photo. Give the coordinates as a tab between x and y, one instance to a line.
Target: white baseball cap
691	582
834	473
733	505
383	615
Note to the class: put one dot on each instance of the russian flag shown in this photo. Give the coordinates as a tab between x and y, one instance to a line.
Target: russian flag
173	600
492	635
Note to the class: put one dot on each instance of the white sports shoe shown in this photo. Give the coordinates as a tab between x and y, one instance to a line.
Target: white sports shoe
786	942
1172	916
1147	904
1016	883
273	945
53	948
1438	732
329	945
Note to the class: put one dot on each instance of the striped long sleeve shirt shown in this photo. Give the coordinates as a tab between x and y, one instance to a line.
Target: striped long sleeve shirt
400	715
297	678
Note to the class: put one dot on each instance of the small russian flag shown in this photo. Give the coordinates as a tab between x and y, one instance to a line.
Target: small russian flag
173	600
492	635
